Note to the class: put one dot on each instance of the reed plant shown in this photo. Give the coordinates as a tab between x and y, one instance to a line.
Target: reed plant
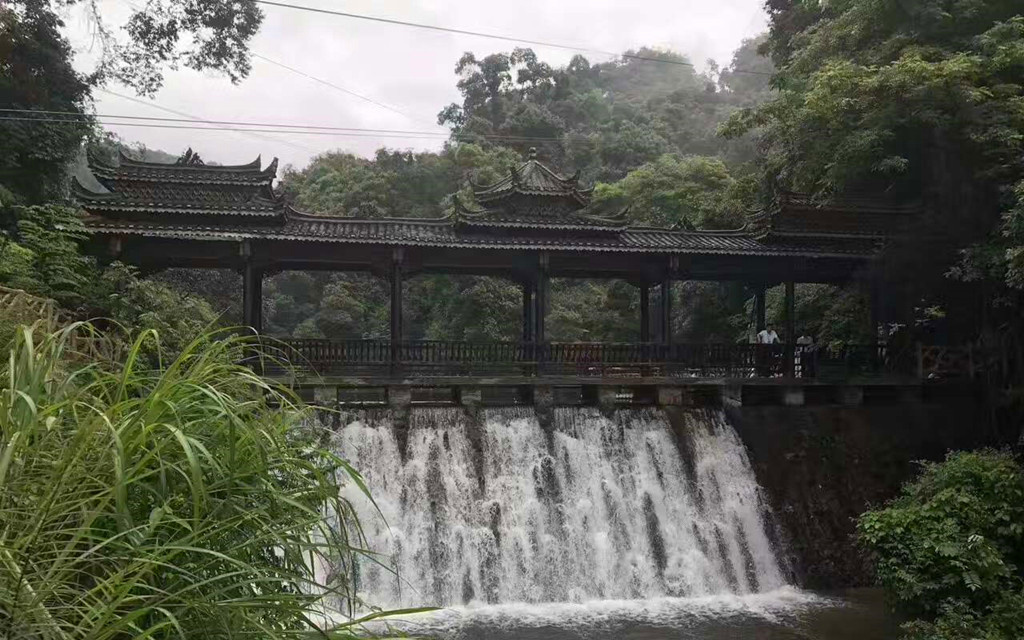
182	501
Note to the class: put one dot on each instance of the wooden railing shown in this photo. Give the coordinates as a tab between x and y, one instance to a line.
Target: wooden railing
966	361
577	359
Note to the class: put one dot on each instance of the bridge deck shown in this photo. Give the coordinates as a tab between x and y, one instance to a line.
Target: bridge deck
381	359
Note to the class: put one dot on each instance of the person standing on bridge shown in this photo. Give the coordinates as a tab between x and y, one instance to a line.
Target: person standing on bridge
767	336
764	356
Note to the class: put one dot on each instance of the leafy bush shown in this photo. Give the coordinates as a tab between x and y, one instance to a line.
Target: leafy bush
950	548
150	305
185	502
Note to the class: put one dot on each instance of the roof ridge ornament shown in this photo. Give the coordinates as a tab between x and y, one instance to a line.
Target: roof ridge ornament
190	159
532	155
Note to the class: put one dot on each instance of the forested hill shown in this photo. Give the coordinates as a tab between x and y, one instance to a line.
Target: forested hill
643	131
607	120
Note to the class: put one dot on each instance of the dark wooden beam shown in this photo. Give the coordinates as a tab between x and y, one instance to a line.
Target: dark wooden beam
759	308
790	328
529	287
540	299
645	312
252	296
666	311
395	282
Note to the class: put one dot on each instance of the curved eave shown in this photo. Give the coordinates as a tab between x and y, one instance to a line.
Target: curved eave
137	171
495	196
110	179
249	166
99	207
296	214
219	233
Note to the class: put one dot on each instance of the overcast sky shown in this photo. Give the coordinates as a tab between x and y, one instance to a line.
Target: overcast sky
411	70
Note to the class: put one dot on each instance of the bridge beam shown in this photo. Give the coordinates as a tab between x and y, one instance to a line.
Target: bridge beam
874	293
529	323
666	311
252	296
759	309
540	299
395	282
645	312
790	329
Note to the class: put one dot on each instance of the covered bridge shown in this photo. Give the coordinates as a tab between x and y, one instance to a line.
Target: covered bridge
532	225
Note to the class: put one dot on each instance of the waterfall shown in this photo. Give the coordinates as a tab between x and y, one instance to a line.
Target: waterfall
490	506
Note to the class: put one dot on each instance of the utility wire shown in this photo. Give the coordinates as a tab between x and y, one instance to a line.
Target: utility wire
302	73
74	116
205	126
327	83
492	36
252	134
230	122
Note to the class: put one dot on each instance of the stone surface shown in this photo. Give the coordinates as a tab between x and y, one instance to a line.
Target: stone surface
822	466
671	397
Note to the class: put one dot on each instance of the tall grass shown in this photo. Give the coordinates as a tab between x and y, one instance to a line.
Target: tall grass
182	502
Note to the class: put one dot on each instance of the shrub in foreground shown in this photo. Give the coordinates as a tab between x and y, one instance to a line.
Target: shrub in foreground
184	502
950	548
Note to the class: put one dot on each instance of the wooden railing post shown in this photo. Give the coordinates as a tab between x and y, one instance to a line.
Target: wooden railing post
395	281
790	354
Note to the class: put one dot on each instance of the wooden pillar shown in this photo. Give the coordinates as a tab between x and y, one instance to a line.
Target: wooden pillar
759	309
540	300
666	311
645	313
790	329
252	296
875	302
528	322
395	280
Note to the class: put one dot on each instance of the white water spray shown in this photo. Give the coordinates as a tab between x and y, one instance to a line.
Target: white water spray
493	508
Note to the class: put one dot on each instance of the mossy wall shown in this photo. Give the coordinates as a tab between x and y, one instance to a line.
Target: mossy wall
822	466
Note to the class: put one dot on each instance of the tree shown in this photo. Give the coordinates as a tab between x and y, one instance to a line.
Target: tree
36	73
604	119
205	35
950	549
689	191
918	99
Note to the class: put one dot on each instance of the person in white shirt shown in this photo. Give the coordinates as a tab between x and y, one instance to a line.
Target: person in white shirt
765	364
767	336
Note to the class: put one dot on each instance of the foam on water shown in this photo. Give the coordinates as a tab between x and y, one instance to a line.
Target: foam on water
491	508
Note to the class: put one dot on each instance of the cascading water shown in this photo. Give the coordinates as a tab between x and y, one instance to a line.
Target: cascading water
489	507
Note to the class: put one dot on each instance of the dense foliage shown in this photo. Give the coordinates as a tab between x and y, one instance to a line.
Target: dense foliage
40	253
36	73
204	35
186	501
646	128
921	99
950	548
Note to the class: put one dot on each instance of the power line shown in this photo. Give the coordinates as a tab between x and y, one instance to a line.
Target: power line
229	122
309	76
206	126
327	83
80	117
492	36
154	105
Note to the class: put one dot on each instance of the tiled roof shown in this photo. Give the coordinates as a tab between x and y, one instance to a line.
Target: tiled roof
533	208
796	214
137	170
444	232
533	178
188	188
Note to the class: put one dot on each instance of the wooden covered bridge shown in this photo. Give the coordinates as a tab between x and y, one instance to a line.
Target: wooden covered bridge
530	226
